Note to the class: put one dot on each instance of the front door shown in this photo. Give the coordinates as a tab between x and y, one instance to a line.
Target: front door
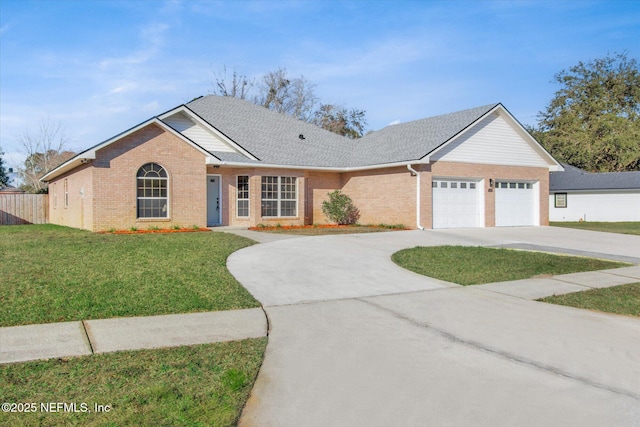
214	204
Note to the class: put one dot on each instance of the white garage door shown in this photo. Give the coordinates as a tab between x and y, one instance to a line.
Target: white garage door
457	203
515	204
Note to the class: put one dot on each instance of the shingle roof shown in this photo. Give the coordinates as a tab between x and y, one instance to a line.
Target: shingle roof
577	179
414	140
274	138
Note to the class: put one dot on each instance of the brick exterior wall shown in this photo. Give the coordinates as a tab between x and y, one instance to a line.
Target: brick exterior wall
78	212
229	196
383	196
115	170
319	185
102	193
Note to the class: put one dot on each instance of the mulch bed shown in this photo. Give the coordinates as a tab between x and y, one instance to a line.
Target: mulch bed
161	231
303	227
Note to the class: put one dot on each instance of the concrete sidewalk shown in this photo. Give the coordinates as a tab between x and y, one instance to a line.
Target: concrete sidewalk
54	340
565	283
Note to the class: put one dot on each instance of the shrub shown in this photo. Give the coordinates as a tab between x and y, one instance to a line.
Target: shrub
340	209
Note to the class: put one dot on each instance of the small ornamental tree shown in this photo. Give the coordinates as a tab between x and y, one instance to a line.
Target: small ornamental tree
340	209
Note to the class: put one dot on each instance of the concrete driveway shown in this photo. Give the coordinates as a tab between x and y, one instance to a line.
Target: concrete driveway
355	340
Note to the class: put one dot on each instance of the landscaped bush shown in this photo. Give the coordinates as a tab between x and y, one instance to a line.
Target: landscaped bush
340	209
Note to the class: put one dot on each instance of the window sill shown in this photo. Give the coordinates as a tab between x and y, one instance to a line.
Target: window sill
267	218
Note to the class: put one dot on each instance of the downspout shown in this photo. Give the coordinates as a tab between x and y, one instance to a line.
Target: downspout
417	175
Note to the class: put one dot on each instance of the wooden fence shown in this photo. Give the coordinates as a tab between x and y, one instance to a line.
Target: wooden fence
24	209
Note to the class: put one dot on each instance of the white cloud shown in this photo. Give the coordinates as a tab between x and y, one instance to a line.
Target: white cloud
123	87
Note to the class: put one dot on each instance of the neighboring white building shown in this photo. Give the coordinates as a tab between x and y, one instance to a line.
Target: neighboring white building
577	195
13	177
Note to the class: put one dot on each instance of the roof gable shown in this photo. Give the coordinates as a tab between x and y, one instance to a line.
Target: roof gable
272	137
237	132
198	130
90	154
477	143
415	140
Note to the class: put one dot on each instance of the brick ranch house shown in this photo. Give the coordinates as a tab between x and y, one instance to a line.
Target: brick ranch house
225	161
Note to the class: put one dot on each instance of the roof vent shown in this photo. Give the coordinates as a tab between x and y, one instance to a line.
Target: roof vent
301	136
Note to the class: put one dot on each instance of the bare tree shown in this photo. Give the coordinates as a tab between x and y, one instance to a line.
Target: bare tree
280	93
293	96
44	150
238	87
337	119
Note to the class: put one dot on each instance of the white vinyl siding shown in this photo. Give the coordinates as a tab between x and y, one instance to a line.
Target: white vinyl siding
457	203
197	133
493	140
610	206
516	204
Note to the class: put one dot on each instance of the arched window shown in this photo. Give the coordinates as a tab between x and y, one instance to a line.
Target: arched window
153	196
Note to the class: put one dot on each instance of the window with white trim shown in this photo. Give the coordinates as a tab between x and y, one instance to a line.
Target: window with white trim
242	199
153	194
279	196
560	200
66	193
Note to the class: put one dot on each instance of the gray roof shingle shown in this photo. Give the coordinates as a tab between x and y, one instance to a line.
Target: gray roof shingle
274	138
414	140
573	178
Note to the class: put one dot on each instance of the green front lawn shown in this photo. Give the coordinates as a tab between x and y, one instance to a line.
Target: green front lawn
55	274
623	299
610	227
466	265
205	385
52	273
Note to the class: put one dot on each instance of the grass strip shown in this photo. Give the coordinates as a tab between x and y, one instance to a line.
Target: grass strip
622	299
55	274
469	265
609	227
204	385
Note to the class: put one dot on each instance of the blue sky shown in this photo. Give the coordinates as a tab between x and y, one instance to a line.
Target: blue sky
100	67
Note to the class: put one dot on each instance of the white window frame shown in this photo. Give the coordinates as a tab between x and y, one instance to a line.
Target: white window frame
66	193
243	199
139	198
279	196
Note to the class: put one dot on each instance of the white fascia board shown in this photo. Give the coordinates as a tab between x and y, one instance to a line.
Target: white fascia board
426	158
597	190
192	115
90	154
317	168
554	165
66	167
